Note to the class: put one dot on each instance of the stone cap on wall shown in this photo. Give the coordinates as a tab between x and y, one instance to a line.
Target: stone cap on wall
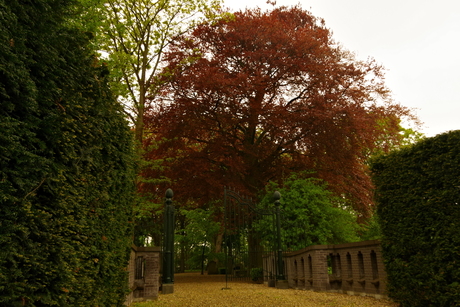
335	246
146	249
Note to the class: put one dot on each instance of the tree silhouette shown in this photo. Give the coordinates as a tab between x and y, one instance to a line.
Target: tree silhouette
258	95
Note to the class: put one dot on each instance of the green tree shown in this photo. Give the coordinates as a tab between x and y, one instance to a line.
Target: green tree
135	34
197	236
388	142
66	164
370	228
310	215
132	36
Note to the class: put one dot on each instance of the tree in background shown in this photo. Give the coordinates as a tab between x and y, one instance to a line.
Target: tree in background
135	35
310	215
258	95
196	238
132	36
66	164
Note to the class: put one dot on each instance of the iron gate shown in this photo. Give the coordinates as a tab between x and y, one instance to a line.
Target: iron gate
244	249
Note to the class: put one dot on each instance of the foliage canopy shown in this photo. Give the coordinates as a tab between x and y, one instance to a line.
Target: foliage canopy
257	95
310	215
134	34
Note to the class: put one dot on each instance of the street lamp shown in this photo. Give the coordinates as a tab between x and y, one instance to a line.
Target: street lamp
276	198
168	250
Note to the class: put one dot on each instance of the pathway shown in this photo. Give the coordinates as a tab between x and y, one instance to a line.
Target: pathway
195	290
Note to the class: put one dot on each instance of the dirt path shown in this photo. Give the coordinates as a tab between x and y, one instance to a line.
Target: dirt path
195	290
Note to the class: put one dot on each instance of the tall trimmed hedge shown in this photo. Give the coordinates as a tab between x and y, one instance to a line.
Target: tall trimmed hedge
418	196
66	165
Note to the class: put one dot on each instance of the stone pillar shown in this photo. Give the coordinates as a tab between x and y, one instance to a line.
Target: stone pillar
144	274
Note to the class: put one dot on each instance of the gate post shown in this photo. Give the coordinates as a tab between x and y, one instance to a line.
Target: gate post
281	282
168	250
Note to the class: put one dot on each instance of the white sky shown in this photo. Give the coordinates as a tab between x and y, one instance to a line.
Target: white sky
418	42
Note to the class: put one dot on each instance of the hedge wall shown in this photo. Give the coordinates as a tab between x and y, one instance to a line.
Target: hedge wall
418	195
66	165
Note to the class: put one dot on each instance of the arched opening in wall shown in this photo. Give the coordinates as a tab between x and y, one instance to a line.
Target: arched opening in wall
294	274
338	266
139	276
361	266
334	268
329	265
349	269
139	271
302	272
375	269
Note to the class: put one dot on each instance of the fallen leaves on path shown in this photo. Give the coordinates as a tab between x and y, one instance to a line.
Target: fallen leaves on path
195	290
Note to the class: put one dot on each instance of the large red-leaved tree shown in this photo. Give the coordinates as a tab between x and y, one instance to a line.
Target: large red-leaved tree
258	95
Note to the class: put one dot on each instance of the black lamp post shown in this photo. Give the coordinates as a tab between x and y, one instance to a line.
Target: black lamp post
168	251
276	198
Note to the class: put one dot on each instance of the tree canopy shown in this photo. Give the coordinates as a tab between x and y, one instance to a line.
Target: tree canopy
134	34
257	95
310	215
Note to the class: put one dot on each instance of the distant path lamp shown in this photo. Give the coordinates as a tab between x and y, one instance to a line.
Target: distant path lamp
168	245
280	269
281	282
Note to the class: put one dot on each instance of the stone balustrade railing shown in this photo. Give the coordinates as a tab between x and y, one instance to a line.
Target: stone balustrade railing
352	268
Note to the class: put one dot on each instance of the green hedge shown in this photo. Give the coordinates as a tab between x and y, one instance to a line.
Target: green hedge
418	195
66	165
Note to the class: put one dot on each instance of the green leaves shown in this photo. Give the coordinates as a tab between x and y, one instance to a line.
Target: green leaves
66	165
133	35
197	235
310	215
418	205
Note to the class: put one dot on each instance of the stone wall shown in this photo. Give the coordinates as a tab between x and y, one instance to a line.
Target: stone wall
353	268
144	274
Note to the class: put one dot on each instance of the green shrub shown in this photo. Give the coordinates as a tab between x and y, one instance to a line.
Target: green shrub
418	195
66	165
257	274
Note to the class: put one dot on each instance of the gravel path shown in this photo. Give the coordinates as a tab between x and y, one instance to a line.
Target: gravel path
195	290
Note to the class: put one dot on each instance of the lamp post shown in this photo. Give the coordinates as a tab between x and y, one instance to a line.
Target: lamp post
168	250
276	198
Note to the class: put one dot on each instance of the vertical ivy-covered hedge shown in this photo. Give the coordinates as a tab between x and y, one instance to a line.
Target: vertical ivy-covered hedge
418	196
66	165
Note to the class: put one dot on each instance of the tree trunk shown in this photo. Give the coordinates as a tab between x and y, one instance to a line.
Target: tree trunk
219	240
202	258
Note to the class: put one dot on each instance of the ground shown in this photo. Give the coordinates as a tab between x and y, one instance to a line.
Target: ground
196	290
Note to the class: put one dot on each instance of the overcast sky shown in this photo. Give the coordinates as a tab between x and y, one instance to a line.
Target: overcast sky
416	40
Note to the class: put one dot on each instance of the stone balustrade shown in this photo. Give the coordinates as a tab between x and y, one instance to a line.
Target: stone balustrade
352	268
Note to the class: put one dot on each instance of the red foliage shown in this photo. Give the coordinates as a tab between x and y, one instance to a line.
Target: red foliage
255	97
